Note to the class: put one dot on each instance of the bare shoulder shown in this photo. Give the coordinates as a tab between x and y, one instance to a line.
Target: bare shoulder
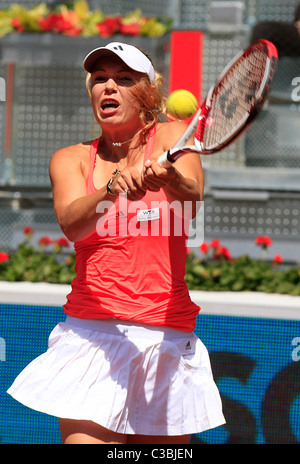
168	133
71	153
76	156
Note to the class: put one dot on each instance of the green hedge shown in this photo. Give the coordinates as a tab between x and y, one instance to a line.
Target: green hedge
242	274
213	270
216	270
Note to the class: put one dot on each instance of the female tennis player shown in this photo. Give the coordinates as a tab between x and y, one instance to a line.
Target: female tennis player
125	367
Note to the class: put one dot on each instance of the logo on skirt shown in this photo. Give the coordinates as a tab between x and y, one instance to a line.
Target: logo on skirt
188	346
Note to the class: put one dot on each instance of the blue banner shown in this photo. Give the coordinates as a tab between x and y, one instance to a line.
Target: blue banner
255	362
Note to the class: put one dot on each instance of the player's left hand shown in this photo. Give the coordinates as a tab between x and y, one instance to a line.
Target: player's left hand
155	176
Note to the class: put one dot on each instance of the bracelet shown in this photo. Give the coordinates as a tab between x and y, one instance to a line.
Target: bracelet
108	186
116	172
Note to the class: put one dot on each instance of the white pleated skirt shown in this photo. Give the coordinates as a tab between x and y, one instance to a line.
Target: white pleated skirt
129	378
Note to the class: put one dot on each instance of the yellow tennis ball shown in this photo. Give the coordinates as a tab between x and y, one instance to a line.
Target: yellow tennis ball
182	104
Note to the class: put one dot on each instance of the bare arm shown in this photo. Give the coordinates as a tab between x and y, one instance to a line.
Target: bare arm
75	210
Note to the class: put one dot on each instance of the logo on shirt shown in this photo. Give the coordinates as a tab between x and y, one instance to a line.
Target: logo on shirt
148	214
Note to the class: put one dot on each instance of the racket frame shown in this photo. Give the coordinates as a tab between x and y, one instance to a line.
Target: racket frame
199	120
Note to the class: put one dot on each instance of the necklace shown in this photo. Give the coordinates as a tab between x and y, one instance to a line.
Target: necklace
119	144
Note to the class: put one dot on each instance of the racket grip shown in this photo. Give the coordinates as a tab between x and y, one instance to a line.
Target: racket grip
164	160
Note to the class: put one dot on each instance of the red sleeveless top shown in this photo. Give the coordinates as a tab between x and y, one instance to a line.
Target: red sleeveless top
132	268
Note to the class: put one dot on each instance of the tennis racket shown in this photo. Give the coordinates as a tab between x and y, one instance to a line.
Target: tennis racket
231	104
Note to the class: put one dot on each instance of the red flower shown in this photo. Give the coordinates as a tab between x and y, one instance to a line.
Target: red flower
62	242
44	241
130	29
48	23
223	251
263	241
204	247
17	24
61	23
73	31
277	259
109	27
3	257
28	231
215	244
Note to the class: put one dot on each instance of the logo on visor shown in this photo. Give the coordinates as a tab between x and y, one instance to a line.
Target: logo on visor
118	47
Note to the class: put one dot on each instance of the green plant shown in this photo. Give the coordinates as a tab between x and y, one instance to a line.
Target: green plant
42	264
213	270
216	270
76	19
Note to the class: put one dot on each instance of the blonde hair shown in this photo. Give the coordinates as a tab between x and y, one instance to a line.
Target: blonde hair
151	101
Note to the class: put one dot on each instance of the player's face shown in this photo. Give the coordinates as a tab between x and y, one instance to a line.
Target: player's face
112	99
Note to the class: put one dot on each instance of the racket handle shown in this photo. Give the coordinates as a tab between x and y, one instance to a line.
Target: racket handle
165	160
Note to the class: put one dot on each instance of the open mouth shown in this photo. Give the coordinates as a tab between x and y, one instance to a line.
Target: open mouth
109	105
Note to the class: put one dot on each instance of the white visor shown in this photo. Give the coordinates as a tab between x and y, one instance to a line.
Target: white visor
130	55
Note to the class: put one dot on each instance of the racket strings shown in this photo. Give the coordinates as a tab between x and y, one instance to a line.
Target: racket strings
233	99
